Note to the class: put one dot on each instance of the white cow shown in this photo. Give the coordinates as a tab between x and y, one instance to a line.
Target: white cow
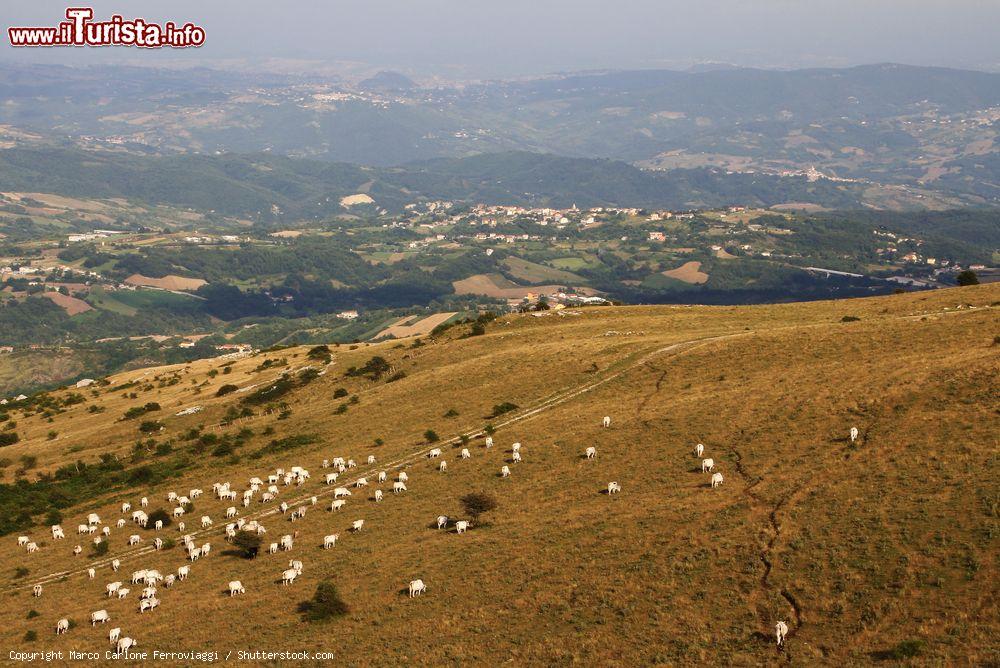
707	465
62	626
699	450
489	442
288	576
436	452
516	457
417	587
231	512
24	540
144	502
716	480
148	592
515	447
443	466
125	644
402	477
442	521
236	587
147	604
382	475
101	616
139	576
614	487
780	631
337	505
371	459
36	591
178	511
296	564
123	593
115	565
378	495
356	525
461	526
465	454
114	635
341	491
91	573
126	507
331	478
93	518
398	487
330	541
206	521
182	572
505	471
120	523
57	532
607	421
854	437
134	539
361	482
591	452
272	548
112	588
31	547
286	542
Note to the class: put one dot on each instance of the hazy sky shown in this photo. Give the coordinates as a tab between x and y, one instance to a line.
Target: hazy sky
489	38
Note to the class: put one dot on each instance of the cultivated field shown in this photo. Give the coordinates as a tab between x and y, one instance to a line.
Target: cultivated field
881	548
404	328
689	272
169	282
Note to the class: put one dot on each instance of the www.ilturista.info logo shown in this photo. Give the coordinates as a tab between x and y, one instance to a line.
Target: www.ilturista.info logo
80	30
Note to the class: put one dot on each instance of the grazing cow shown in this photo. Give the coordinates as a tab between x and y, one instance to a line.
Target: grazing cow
607	421
331	478
461	526
134	539
442	521
148	592
24	540
31	547
378	495
144	502
489	442
707	465
231	512
101	616
147	604
157	543
114	635
516	457
443	466
206	521
854	437
296	564
36	591
283	507
288	576
194	554
125	644
330	541
341	491
178	511
465	454
402	477
272	548
112	588
417	587
57	532
169	580
716	480
698	450
77	550
126	507
123	593
356	525
515	447
505	471
80	528
614	487
115	565
91	573
361	482
436	452
171	497
138	576
398	487
382	475
337	505
780	631
371	459
93	518
120	523
180	527
286	542
205	549
182	572
236	587
62	626
591	452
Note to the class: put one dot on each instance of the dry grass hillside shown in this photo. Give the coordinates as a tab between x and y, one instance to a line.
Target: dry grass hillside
879	550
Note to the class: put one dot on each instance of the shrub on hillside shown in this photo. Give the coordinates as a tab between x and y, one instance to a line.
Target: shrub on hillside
247	544
100	549
967	277
325	604
8	438
477	503
225	389
158	515
431	436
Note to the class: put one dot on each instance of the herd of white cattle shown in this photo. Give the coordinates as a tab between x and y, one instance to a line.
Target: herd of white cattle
150	579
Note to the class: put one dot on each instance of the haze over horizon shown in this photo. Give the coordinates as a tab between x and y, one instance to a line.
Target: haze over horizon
444	38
